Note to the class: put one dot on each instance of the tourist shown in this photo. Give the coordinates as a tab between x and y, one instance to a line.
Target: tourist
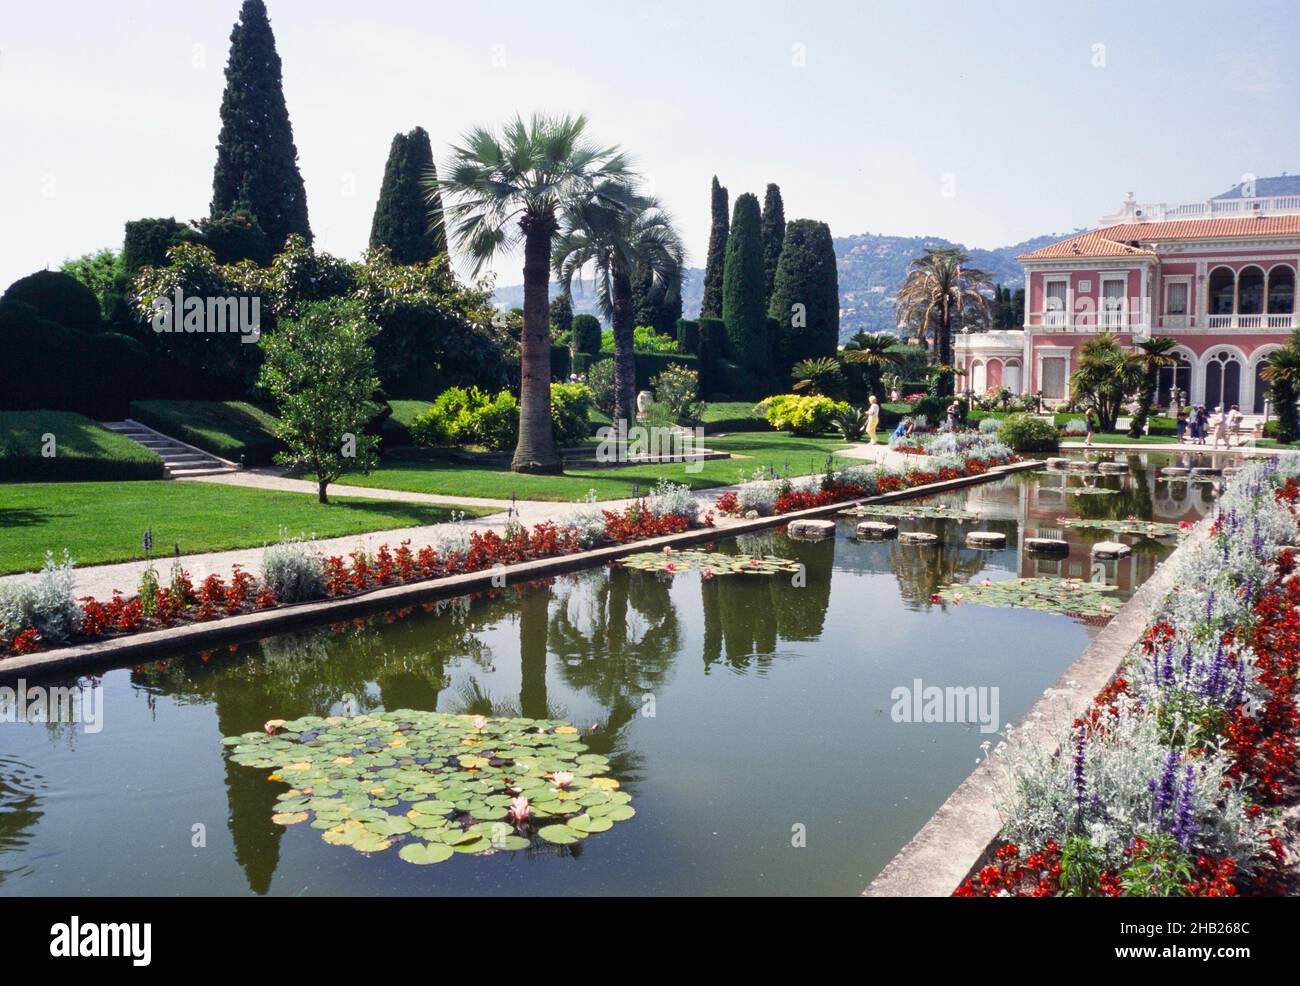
903	430
1181	426
1089	426
1220	426
873	418
1234	425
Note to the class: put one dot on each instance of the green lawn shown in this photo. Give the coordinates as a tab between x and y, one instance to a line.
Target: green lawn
81	449
729	416
105	522
1124	439
759	450
229	429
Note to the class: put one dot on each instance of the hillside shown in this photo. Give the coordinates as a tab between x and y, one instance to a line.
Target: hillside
871	268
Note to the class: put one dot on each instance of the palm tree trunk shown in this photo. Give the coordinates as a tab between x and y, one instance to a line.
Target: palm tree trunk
536	451
534	608
623	320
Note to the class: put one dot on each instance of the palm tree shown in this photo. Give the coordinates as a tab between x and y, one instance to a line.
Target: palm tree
635	236
1151	356
1283	377
513	189
875	352
942	293
1103	378
819	375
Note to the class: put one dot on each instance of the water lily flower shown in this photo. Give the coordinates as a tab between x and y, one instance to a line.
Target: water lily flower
561	779
519	810
936	598
670	567
984	583
706	573
479	723
956	597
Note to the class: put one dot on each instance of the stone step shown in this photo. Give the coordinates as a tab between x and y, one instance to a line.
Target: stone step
180	461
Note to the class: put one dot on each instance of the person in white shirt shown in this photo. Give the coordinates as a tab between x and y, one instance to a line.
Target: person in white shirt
873	418
1221	427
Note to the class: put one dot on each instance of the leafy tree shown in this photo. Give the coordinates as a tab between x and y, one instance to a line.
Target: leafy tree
513	190
102	273
805	301
407	221
743	291
942	292
1151	356
715	260
875	352
615	241
773	233
147	241
320	371
257	162
1283	376
1103	378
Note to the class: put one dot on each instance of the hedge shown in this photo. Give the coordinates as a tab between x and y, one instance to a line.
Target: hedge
560	363
58	297
688	336
83	450
650	365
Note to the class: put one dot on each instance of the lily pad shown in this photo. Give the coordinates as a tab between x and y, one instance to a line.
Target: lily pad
1070	597
425	853
708	563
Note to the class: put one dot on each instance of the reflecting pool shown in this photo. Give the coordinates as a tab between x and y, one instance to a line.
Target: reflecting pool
753	719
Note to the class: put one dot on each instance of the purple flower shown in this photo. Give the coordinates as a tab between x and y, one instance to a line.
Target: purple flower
1165	787
1080	760
1185	819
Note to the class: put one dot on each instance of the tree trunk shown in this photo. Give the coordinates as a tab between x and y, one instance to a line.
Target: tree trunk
320	490
536	451
534	610
1145	397
943	352
624	358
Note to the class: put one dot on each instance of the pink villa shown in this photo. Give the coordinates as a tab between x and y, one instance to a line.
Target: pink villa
1219	276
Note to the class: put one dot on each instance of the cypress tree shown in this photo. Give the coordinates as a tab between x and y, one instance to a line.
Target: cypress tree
773	233
405	221
743	294
257	162
711	306
561	313
806	276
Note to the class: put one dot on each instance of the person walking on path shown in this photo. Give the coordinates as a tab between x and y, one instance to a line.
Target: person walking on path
873	418
1221	426
1088	424
1181	427
1234	425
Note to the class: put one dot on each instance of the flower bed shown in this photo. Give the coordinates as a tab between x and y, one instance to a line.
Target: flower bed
972	456
1170	784
45	614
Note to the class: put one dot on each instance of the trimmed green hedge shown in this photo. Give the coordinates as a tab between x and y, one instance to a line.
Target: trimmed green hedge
83	450
732	416
688	336
225	428
560	363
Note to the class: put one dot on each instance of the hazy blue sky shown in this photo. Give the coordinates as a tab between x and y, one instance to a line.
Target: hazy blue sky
109	111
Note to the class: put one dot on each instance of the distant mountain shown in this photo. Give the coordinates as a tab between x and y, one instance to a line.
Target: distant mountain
871	270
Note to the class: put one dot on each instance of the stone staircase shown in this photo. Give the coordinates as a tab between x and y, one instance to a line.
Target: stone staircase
180	461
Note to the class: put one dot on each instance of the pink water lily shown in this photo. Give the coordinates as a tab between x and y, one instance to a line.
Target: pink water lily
706	573
561	779
670	567
479	723
519	810
985	583
956	597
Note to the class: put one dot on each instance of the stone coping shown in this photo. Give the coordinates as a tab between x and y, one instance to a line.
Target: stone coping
131	648
957	839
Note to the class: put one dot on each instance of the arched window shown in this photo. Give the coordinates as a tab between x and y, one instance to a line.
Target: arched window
1222	380
1281	290
1222	285
1250	291
977	378
1011	376
1169	377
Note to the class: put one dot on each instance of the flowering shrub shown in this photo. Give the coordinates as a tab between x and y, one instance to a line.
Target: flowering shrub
1161	787
803	415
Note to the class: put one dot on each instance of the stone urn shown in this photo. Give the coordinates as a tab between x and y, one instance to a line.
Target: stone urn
643	401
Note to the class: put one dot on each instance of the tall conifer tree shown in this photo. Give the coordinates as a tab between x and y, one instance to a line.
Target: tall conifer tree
711	306
773	233
805	301
257	162
405	221
744	307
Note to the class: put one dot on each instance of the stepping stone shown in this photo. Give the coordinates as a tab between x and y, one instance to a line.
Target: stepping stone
1079	465
986	539
1205	471
917	537
876	529
1112	467
1174	471
1056	462
811	530
1110	549
1047	546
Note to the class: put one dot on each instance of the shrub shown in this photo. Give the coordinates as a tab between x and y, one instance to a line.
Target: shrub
1029	433
47	605
688	336
586	334
931	408
59	298
293	570
758	495
644	340
990	426
675	391
803	415
495	424
600	381
588	525
571	405
851	423
669	499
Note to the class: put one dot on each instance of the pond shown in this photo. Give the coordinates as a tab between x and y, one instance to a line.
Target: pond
754	720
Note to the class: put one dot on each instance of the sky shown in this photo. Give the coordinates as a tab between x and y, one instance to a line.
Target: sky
982	123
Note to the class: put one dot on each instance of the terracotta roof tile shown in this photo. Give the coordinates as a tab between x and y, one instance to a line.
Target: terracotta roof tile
1113	241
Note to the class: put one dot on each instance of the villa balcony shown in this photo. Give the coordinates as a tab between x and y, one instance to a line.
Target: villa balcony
1233	208
1251	322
